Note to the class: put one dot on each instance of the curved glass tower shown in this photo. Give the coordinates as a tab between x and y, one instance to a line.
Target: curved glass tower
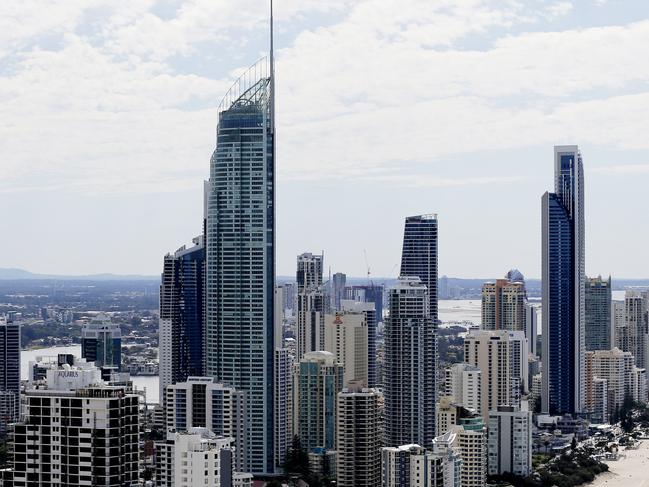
239	341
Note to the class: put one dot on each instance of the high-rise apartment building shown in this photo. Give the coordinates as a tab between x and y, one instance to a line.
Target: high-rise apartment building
200	402
369	310
510	441
472	443
197	457
463	382
531	327
283	388
76	430
310	304
503	304
368	293
358	437
9	371
416	466
637	322
317	379
101	342
346	337
598	298
410	393
239	336
563	286
490	352
618	369
620	333
182	313
338	290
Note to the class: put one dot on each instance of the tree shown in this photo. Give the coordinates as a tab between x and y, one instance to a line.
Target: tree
297	459
626	414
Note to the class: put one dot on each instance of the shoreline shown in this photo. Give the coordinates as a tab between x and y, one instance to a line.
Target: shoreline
628	471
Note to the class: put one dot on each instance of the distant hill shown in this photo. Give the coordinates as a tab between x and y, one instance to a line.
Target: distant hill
17	274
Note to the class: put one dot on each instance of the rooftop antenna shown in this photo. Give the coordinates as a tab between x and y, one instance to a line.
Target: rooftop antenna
272	72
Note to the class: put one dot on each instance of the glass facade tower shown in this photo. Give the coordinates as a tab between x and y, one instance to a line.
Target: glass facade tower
563	286
239	346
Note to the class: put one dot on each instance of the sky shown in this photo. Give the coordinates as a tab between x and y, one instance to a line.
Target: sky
385	108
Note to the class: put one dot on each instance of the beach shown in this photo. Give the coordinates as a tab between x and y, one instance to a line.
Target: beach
631	471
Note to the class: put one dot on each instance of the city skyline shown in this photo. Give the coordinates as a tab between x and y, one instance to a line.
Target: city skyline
139	155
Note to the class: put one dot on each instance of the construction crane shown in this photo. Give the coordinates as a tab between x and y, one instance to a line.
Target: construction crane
369	279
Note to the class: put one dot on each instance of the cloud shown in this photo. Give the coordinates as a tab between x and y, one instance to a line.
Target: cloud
106	108
621	169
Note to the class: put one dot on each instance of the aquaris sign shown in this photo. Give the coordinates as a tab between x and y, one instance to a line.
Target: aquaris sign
67	374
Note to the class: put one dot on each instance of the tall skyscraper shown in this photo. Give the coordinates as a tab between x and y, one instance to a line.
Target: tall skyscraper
367	293
503	303
240	344
101	342
358	437
409	365
9	371
531	326
598	300
369	310
563	283
317	379
419	255
310	304
182	310
283	386
338	290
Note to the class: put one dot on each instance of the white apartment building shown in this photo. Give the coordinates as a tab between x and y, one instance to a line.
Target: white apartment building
463	382
197	457
510	441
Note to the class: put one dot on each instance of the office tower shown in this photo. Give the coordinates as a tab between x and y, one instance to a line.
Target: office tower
637	323
338	290
503	303
369	310
310	304
617	368
76	430
317	379
9	370
241	255
200	402
510	441
531	327
283	388
358	437
410	394
598	299
101	342
563	286
490	352
416	466
368	293
182	309
346	337
197	457
463	382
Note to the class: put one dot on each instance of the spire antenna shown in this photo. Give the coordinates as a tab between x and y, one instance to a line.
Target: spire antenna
272	71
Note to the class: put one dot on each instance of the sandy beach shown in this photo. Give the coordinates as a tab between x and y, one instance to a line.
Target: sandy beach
632	471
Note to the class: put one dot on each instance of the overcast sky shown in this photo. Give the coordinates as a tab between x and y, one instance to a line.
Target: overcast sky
386	108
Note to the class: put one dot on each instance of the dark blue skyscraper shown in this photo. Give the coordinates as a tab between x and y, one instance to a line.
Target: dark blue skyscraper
101	342
563	285
9	372
239	348
182	309
419	255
